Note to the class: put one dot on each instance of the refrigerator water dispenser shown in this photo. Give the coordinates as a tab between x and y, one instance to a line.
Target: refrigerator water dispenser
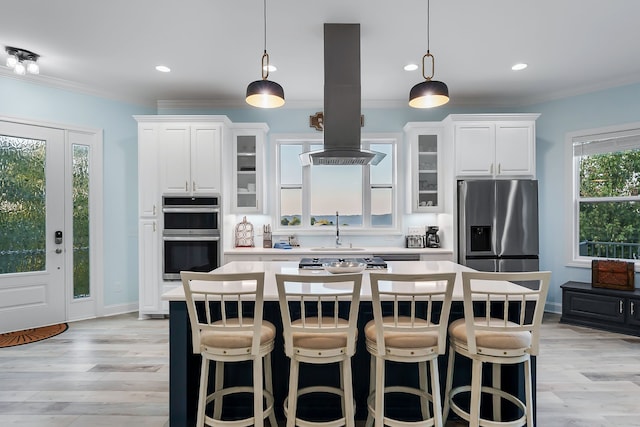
480	238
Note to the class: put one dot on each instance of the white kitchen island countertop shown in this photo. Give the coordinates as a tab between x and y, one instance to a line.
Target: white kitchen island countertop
364	250
271	268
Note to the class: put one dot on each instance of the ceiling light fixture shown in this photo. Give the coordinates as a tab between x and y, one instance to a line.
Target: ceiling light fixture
163	68
265	93
430	93
519	66
22	61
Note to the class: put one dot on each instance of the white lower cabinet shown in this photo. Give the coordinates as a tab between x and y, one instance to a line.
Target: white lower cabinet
261	257
149	267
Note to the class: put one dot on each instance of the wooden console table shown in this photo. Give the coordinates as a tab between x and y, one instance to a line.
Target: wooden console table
608	309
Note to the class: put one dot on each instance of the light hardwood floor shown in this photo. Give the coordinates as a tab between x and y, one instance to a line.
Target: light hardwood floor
114	372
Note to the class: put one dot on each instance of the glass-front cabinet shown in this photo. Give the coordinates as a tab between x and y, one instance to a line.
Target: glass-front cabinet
248	168
425	161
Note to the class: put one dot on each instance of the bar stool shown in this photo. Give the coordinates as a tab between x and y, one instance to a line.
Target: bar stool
318	331
501	326
230	328
410	316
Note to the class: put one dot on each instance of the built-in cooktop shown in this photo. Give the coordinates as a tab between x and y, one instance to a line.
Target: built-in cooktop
316	263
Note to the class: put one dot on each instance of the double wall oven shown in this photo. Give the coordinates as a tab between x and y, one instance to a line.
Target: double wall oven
191	234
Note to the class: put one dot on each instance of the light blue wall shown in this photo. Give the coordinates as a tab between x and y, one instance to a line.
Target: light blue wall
29	101
598	109
26	100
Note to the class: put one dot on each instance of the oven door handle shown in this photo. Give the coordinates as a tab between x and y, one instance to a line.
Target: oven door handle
191	210
194	238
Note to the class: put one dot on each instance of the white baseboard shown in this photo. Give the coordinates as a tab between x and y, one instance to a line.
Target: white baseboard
112	310
553	307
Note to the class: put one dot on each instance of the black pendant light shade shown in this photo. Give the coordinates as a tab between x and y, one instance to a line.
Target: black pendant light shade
265	93
428	94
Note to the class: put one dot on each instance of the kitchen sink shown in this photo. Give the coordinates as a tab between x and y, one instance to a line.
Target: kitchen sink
337	249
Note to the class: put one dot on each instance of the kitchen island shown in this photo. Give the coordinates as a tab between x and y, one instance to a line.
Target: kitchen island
184	365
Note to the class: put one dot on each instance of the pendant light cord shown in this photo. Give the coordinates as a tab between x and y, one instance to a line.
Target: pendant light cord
428	24
264	14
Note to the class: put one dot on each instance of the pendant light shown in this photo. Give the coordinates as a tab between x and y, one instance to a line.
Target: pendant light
265	93
430	93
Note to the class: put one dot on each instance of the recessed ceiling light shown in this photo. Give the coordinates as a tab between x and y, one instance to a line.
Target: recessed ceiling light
410	67
163	68
520	66
270	68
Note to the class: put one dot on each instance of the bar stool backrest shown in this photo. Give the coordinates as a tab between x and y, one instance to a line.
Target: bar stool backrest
311	304
411	303
492	305
232	302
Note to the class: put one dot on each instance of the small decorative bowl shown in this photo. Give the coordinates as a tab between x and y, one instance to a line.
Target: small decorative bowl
338	267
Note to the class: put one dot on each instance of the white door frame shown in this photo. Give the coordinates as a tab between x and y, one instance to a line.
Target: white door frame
92	306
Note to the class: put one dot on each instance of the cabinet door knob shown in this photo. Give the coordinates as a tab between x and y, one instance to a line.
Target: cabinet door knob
633	308
621	307
499	168
491	169
154	210
186	186
194	186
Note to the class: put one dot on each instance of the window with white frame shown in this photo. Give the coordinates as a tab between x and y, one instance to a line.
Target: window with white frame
606	214
309	196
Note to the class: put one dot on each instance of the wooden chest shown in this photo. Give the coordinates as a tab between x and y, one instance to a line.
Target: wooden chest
612	275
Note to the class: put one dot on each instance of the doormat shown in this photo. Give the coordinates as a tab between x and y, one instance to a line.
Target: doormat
27	336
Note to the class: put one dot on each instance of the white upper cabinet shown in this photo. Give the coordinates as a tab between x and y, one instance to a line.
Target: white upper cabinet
494	146
425	159
247	185
190	158
148	195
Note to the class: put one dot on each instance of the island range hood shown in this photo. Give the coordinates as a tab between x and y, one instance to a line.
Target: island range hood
341	101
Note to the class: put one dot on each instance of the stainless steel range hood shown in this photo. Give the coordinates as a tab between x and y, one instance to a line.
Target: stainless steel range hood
341	101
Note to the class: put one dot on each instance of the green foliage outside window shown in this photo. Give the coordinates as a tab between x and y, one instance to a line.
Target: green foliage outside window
609	205
22	205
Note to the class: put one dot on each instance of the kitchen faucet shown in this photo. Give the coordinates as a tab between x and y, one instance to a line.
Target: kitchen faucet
338	243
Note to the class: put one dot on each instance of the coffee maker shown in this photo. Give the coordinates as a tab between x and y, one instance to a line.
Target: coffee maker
433	241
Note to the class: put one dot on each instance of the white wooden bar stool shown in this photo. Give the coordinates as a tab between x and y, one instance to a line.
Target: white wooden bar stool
317	332
229	328
410	316
501	326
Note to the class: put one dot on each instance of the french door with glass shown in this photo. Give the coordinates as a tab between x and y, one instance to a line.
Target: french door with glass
45	226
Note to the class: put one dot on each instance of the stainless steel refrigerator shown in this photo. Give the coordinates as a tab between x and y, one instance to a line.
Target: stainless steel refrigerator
498	225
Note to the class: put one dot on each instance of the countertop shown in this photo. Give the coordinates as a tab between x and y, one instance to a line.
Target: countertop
271	268
365	250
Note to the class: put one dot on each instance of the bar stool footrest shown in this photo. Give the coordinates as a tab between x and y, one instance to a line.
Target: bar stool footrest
317	389
429	422
493	391
244	422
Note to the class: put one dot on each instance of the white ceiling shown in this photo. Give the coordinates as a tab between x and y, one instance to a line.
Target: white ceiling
214	47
